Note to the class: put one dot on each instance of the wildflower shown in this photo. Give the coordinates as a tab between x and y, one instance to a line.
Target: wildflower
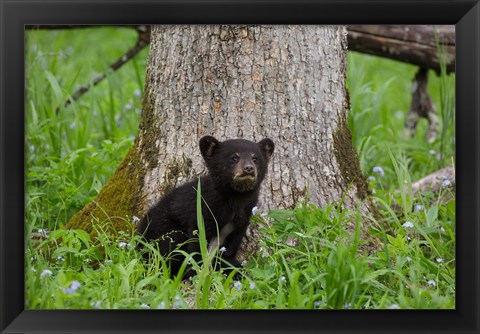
95	305
46	272
135	219
145	306
238	285
222	249
409	259
108	261
378	169
394	307
446	183
122	244
408	225
32	148
60	258
418	207
282	279
439	156
177	302
44	233
432	152
317	304
72	126
161	306
439	260
72	288
254	210
252	286
137	92
128	106
432	282
371	178
347	305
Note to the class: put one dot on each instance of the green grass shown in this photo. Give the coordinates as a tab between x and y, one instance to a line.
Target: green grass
306	259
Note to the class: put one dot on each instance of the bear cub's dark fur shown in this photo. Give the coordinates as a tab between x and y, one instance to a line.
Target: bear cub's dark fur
236	168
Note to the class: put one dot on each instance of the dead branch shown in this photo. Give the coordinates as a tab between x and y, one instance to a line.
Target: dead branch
441	179
414	44
421	106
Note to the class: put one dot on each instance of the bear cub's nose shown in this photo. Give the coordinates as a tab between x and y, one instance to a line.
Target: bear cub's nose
249	169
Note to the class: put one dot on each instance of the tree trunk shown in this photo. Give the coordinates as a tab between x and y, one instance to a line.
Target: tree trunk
282	82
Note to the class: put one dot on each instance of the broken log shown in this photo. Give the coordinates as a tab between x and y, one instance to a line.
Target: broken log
414	44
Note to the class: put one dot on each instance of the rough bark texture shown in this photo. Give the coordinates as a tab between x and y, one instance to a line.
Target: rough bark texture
282	82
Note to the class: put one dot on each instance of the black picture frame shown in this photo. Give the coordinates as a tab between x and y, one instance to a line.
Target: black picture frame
15	14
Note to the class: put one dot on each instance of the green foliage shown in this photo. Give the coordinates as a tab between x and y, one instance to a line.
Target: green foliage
306	259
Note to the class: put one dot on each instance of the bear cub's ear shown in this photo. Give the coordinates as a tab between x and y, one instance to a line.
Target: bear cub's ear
267	146
208	144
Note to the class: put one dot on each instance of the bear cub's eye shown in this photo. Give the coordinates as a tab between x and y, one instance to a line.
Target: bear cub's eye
254	159
234	158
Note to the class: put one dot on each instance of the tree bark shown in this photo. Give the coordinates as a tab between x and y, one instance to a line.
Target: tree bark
282	82
414	44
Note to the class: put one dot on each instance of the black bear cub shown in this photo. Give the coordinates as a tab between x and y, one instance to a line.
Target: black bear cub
236	168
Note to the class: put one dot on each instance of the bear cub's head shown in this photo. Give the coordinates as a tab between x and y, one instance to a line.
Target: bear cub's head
238	164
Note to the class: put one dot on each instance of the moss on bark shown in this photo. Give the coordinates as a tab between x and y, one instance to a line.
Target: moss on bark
117	202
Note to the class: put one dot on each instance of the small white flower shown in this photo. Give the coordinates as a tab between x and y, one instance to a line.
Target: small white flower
238	285
72	288
371	178
282	279
96	305
137	92
122	244
46	272
317	304
432	282
161	306
347	305
222	249
145	306
408	238
254	210
72	126
439	260
439	156
32	148
432	152
442	229
128	106
394	307
108	261
378	169
60	258
407	225
244	263
135	219
418	207
177	298
446	183
252	286
409	259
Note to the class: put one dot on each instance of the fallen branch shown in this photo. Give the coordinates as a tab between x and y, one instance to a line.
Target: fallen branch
441	179
414	44
421	106
143	39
